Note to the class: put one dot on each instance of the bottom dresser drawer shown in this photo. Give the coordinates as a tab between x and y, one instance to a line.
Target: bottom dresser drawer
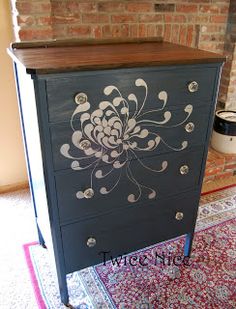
125	231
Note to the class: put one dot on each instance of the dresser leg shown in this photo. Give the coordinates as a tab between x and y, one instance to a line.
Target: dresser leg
40	236
63	290
188	244
65	296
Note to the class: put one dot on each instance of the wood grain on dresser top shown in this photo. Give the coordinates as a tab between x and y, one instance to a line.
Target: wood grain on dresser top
104	56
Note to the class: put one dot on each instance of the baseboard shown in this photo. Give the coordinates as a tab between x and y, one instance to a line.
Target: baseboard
14	187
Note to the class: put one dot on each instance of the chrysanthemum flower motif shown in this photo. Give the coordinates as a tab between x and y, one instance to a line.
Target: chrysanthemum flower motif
113	133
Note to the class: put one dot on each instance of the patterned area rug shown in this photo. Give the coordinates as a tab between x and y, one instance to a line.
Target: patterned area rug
161	278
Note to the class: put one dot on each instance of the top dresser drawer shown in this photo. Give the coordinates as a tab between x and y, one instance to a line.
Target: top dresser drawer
133	90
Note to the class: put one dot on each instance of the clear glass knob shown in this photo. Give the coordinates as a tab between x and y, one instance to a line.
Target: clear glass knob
193	86
189	127
80	98
184	169
84	145
88	193
91	242
179	216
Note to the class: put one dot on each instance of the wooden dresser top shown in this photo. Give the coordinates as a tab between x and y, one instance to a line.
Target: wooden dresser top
54	57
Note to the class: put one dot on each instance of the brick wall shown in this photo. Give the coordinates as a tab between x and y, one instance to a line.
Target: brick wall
195	23
228	83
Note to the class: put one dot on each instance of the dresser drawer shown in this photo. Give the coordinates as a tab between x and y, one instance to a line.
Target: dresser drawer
138	90
167	137
128	230
137	181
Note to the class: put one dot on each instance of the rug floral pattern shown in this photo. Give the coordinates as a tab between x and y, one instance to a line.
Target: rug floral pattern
207	280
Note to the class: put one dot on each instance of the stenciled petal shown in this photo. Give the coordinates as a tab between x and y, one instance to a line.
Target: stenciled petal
75	165
64	150
152	195
162	95
103	190
108	90
104	104
131	198
116	101
81	108
188	108
76	138
140	83
124	110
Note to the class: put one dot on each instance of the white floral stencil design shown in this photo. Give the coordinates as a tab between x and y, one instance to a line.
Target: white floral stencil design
114	132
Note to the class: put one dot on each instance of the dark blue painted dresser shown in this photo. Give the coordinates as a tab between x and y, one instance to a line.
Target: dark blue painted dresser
116	138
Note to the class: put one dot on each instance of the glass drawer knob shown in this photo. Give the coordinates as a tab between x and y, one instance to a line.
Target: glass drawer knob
91	242
88	193
84	145
189	127
193	86
80	98
179	216
184	169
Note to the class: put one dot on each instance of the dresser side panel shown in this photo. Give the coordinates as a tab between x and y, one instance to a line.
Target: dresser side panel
33	153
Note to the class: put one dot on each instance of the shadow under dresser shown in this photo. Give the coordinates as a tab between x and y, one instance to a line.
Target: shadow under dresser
116	137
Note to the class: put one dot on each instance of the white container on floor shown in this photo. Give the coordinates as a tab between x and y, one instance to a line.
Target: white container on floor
224	132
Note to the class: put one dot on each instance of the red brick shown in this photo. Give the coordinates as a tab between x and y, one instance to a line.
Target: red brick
60	31
214	170
164	7
65	20
106	31
189	38
142	30
87	7
72	7
224	175
35	34
224	9
96	32
59	8
230	158
111	6
133	28
33	7
198	19
44	20
230	167
218	19
183	34
167	32
168	18
25	20
160	30
151	18
140	7
216	28
175	18
151	30
120	31
175	33
95	18
79	31
124	18
209	9
208	179
200	1
186	8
